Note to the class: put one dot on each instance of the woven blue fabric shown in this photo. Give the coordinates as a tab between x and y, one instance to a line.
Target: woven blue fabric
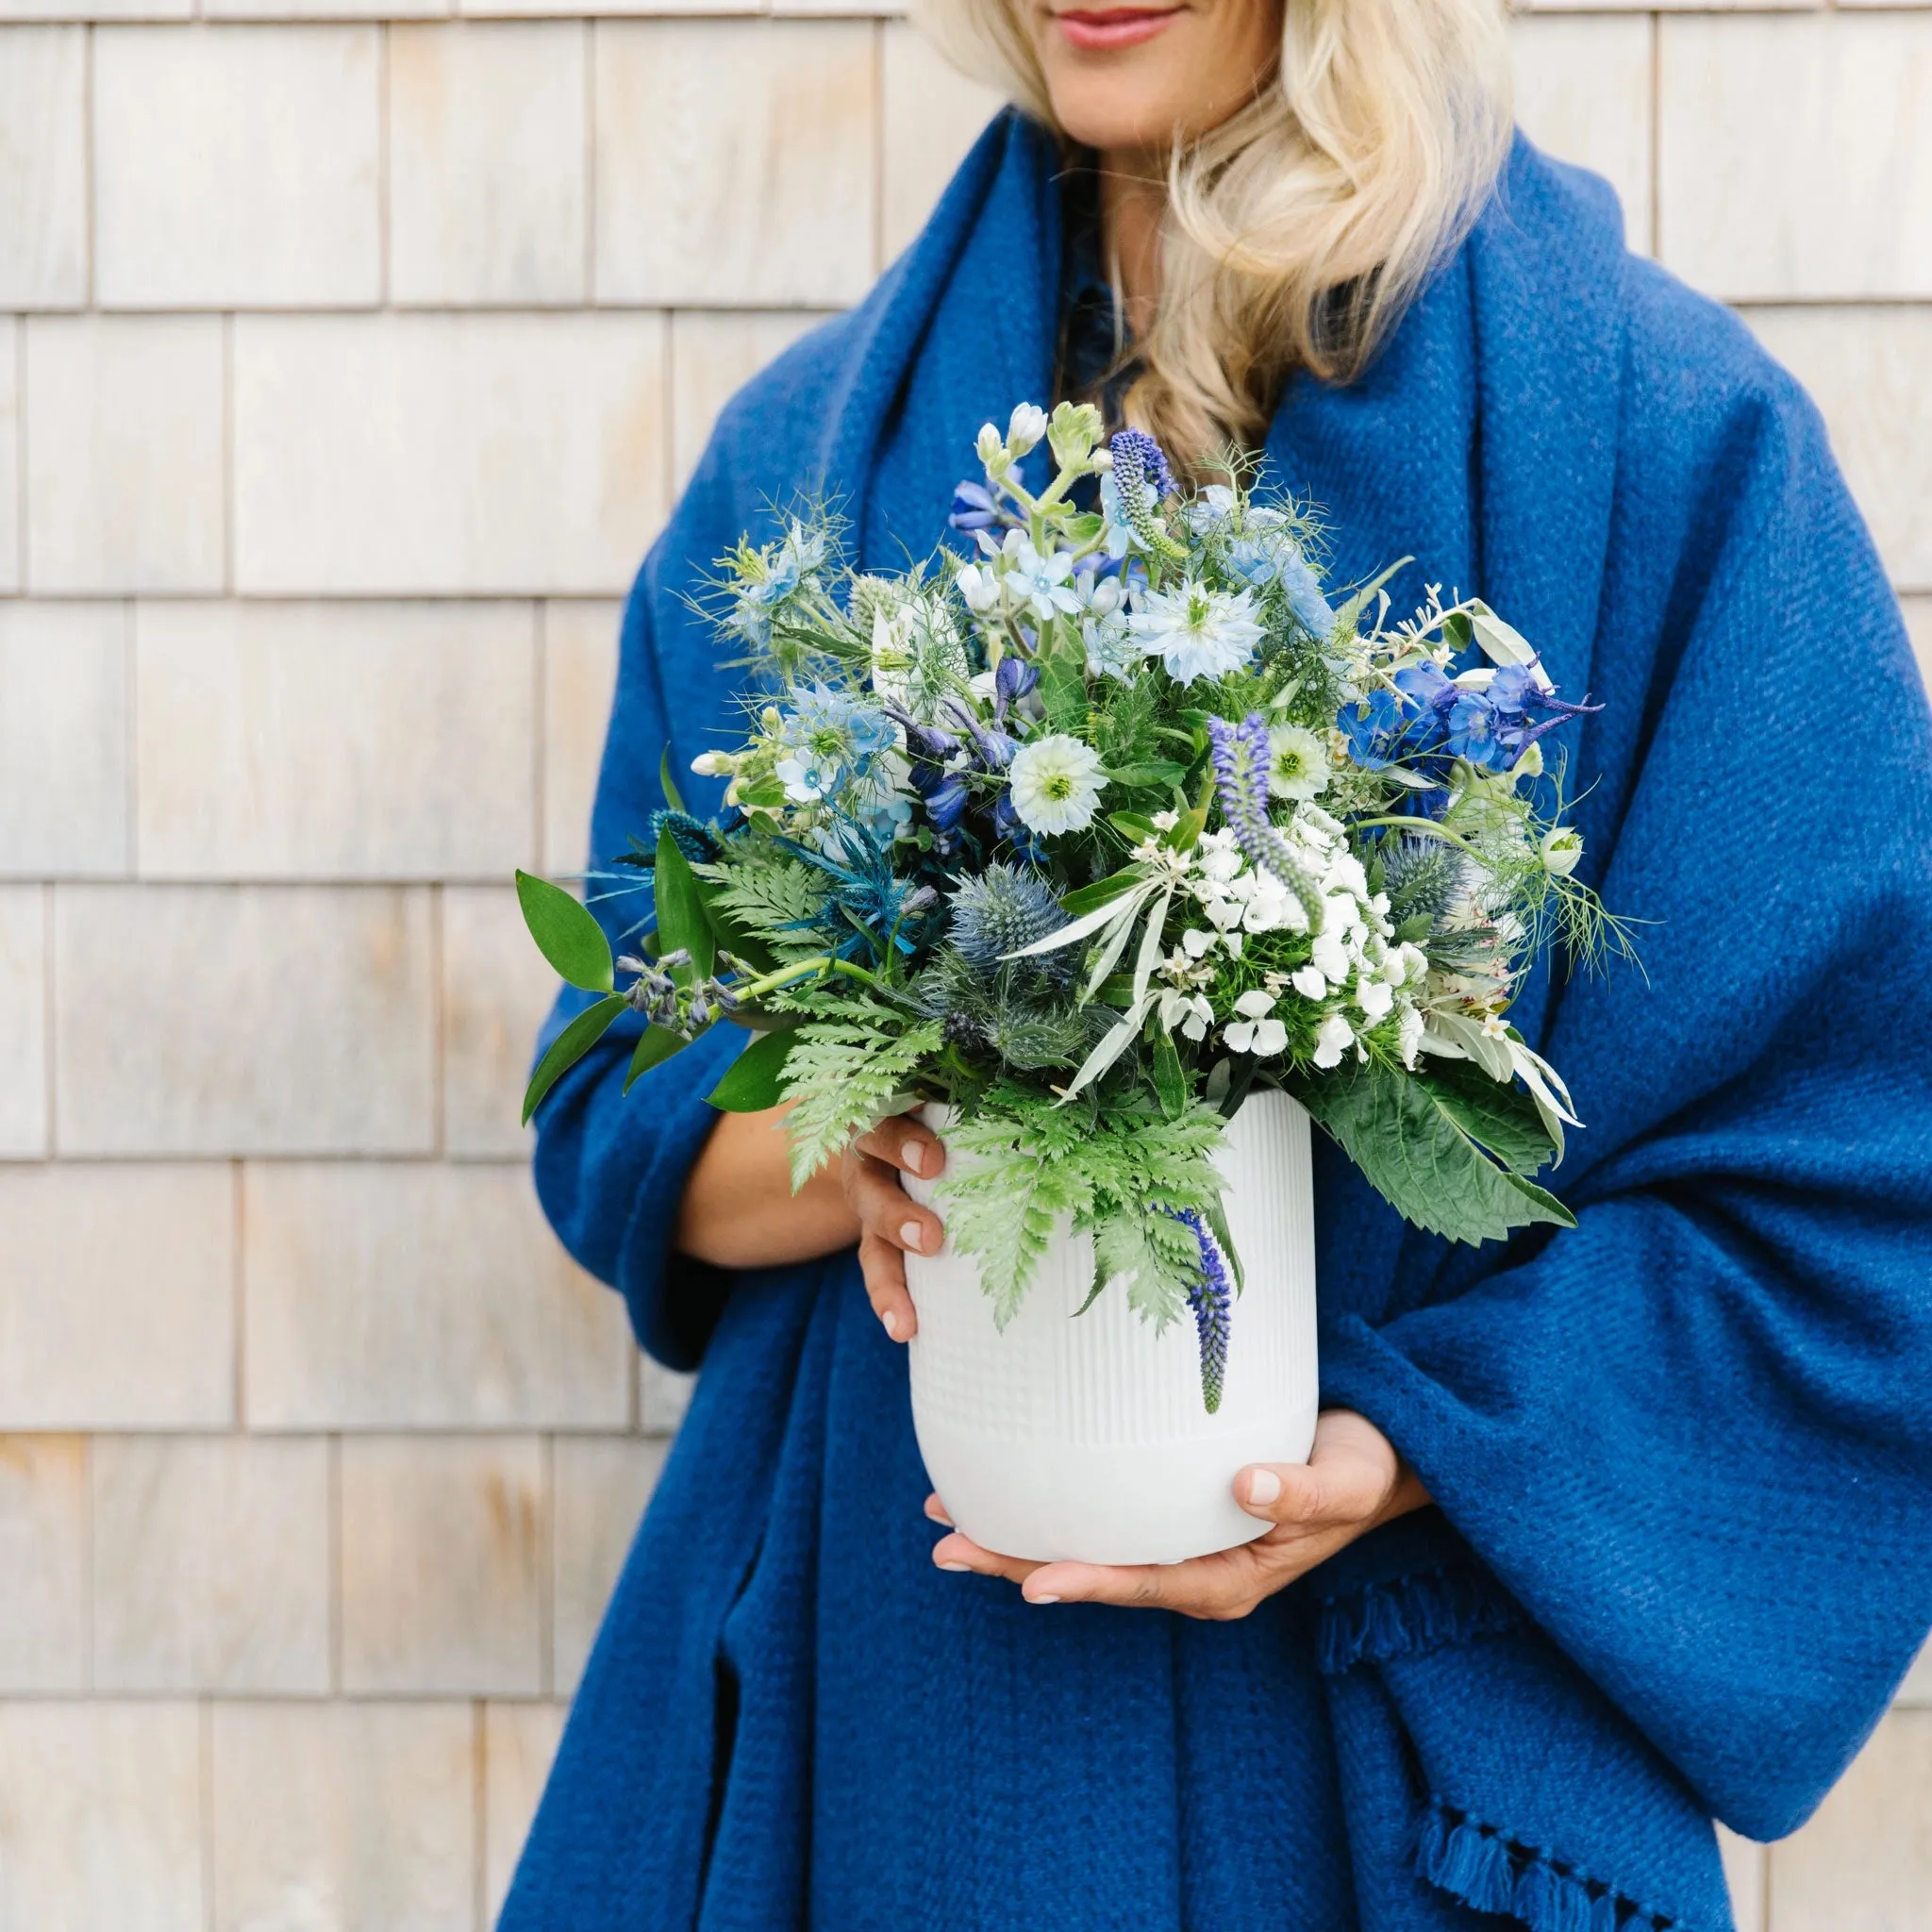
1682	1453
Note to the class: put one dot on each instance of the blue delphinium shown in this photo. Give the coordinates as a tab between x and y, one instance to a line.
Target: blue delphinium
1241	755
973	508
1429	719
1211	1297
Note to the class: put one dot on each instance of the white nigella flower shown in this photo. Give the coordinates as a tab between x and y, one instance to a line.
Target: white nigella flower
1055	783
1310	982
1189	1012
1297	762
1197	632
1333	1039
1562	848
1254	1031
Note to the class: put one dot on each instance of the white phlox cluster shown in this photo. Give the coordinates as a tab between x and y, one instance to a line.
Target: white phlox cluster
1357	973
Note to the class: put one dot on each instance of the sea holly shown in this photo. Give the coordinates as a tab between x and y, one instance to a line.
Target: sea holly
1084	828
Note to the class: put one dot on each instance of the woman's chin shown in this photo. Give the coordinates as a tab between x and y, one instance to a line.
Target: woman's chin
1116	113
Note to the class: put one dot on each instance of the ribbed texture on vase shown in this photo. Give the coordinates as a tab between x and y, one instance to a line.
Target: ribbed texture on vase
1105	1378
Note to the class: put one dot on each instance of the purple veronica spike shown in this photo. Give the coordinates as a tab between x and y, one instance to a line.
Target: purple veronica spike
1211	1298
1141	479
1241	756
1138	459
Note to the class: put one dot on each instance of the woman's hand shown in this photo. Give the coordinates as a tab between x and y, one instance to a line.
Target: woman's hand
892	1223
1353	1481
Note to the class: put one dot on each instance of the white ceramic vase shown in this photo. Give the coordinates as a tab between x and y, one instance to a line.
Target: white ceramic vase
1088	1438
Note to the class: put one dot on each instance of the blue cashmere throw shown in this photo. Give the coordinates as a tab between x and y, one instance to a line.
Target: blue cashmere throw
1681	1455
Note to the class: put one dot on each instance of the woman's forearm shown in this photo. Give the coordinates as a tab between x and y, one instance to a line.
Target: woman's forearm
738	1210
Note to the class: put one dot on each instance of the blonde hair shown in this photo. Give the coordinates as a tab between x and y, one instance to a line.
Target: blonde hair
1297	231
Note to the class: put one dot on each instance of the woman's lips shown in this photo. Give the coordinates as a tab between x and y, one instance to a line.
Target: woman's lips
1101	30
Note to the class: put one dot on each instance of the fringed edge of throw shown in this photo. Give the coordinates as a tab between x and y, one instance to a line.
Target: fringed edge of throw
1413	1614
1493	1870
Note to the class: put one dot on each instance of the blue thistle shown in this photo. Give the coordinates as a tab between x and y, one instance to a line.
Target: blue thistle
1140	480
1211	1297
1240	756
691	837
1002	909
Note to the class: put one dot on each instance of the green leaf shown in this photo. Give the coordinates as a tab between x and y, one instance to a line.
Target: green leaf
566	935
658	1045
1158	772
681	922
751	1083
1502	1117
1063	689
1169	1078
1417	1157
666	783
1086	899
1130	824
568	1047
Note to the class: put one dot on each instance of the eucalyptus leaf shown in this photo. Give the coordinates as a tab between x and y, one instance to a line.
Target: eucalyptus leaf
752	1081
566	934
568	1047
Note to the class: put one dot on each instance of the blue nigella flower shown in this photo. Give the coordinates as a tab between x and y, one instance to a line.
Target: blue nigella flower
830	739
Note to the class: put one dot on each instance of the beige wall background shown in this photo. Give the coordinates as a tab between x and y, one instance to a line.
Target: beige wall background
349	359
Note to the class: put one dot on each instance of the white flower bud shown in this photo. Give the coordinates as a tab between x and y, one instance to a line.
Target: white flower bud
1562	848
713	764
991	448
1024	428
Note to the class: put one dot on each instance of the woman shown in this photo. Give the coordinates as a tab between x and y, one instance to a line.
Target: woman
1603	1535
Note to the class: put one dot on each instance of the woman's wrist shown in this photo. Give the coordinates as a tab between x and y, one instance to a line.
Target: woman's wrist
739	1210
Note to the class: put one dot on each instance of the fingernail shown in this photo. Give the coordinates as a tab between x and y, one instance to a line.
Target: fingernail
913	1235
1263	1486
891	1319
958	1568
915	1157
1043	1599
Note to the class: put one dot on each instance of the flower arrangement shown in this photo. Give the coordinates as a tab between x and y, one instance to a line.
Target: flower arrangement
1089	833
